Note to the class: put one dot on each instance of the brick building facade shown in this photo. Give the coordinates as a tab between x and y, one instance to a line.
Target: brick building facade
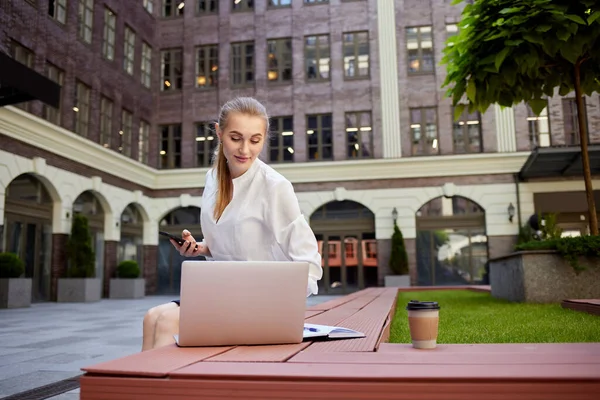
360	125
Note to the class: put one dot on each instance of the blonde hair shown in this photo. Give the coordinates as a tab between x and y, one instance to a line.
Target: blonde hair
240	105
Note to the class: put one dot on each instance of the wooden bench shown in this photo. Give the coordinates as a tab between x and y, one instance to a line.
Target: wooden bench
351	369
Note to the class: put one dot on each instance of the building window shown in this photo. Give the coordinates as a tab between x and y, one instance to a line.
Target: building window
359	134
129	50
539	128
206	143
25	56
148	5
86	19
571	121
171	69
57	9
207	6
242	5
279	60
423	129
143	142
317	56
125	133
451	30
106	113
82	108
56	75
207	66
170	148
356	55
467	133
280	3
172	8
419	43
146	65
242	63
320	137
110	23
281	142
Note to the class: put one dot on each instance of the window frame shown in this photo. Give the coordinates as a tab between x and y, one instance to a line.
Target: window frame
205	143
52	114
54	12
200	11
356	54
144	142
205	58
424	139
176	12
126	132
108	45
465	128
244	71
82	103
320	54
420	57
242	6
280	55
106	122
173	141
146	65
279	135
320	132
177	55
129	39
86	7
359	129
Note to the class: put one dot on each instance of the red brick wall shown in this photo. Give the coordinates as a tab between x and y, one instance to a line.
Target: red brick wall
150	268
59	261
110	264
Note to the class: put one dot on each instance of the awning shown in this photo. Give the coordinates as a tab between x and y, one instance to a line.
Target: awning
555	162
18	84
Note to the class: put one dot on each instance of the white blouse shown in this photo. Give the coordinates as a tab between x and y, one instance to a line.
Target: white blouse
262	222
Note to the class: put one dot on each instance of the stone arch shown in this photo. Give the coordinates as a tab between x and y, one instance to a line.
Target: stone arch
451	242
29	211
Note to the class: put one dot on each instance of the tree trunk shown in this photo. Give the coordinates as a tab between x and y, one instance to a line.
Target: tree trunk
585	159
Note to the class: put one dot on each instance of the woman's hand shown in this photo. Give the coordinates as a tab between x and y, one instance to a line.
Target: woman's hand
190	248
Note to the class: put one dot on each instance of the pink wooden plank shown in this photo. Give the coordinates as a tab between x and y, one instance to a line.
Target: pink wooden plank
370	320
434	357
328	305
332	317
158	362
585	301
274	353
310	313
103	388
550	348
294	370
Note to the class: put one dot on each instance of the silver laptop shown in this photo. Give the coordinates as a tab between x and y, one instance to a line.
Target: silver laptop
242	302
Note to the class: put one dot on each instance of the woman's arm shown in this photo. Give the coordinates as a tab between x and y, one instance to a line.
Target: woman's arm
293	233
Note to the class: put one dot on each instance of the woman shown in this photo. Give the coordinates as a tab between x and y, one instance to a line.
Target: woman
249	212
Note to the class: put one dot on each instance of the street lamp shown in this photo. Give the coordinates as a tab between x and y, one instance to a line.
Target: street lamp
511	212
394	214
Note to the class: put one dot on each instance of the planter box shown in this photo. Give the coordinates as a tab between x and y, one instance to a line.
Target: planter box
15	292
543	277
127	288
397	280
79	290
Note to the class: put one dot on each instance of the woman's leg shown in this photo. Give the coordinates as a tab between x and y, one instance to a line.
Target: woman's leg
166	326
150	320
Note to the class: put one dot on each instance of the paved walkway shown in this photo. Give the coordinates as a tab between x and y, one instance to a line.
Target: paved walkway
50	342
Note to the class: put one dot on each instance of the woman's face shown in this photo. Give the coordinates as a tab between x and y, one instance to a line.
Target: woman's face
242	139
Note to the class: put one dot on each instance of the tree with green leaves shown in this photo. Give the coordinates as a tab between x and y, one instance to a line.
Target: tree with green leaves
513	51
399	257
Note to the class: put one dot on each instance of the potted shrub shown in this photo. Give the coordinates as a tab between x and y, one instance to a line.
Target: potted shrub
128	284
398	261
15	290
79	283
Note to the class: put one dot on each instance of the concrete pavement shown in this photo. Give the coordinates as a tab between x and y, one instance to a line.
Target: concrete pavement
49	342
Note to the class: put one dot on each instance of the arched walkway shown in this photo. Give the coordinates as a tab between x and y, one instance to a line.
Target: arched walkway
28	220
169	260
451	242
345	232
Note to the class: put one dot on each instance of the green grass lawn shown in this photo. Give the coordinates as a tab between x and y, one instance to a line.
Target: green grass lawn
476	317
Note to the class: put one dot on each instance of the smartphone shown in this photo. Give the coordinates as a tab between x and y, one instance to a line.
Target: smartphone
178	239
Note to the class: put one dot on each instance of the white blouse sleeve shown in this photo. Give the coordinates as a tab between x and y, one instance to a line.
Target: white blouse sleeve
293	233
